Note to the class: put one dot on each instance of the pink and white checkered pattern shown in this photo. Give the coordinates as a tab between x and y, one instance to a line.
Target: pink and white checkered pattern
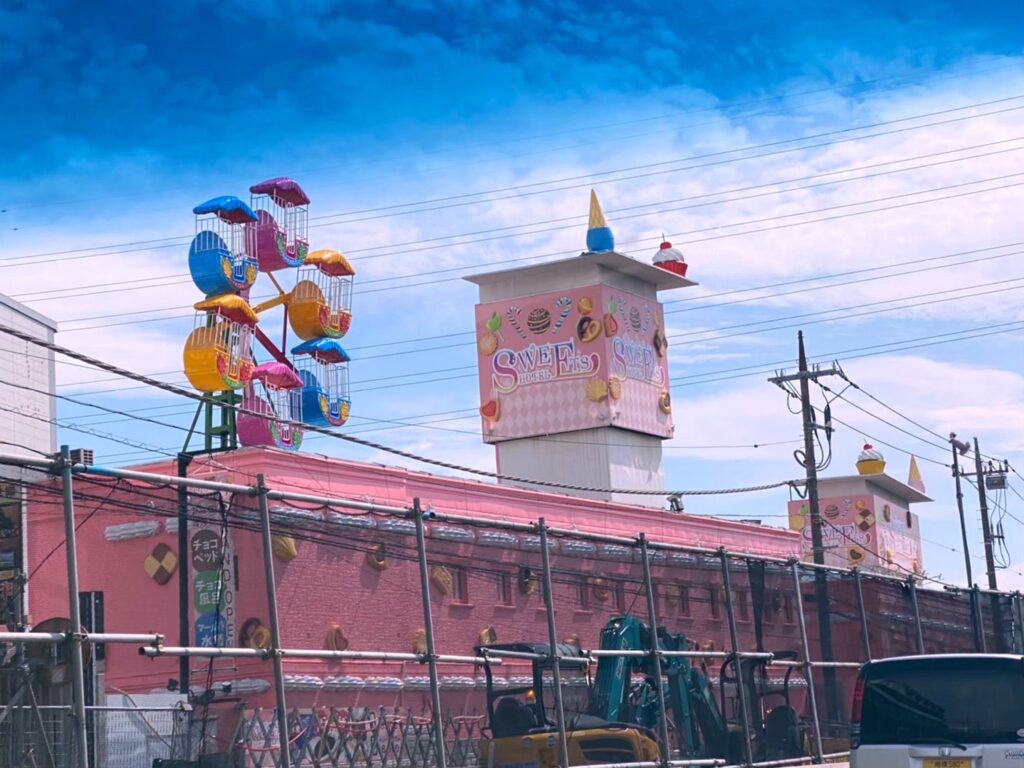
558	406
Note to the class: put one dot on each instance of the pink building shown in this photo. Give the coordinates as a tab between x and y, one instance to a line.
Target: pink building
360	580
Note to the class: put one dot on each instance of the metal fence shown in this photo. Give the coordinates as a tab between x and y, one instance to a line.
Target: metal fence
812	626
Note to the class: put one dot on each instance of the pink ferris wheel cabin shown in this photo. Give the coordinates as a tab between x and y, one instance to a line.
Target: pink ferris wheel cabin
282	235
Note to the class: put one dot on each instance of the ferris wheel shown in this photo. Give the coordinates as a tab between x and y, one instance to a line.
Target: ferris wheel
234	243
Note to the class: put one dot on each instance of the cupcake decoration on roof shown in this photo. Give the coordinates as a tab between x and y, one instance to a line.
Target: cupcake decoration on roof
599	235
870	461
670	259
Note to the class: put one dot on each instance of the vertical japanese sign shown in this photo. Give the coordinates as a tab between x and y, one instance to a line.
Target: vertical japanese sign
211	555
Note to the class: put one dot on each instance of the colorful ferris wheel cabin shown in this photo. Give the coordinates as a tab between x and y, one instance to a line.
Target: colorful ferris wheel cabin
322	365
272	399
282	235
321	301
222	256
217	353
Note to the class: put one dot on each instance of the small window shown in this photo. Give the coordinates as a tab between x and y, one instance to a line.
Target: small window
787	608
460	585
619	596
684	600
742	605
582	593
713	602
910	520
505	589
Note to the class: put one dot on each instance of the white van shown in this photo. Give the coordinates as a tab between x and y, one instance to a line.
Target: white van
948	711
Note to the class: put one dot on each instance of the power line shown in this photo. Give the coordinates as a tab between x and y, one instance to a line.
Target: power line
9	261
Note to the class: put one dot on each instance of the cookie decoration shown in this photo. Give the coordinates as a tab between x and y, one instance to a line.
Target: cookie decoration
855	555
585	305
284	548
865	519
660	343
160	564
487	636
335	639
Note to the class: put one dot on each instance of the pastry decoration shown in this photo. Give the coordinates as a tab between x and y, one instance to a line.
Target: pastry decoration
870	461
564	307
527	581
419	642
539	320
597	390
665	403
487	636
442	579
588	329
615	389
491	410
855	555
335	640
832	511
660	342
670	259
377	557
488	344
160	564
585	305
611	325
284	548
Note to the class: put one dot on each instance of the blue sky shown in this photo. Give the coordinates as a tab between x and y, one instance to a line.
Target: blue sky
127	116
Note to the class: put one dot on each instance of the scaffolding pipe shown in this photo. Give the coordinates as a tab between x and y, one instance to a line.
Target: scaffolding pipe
652	621
275	625
85	637
74	637
549	610
428	630
862	614
302	653
734	642
809	666
978	620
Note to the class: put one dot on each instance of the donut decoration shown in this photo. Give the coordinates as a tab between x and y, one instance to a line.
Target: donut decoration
442	579
601	590
335	639
254	634
665	403
377	557
487	636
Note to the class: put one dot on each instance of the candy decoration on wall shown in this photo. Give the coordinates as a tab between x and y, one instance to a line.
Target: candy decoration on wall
564	305
512	315
599	235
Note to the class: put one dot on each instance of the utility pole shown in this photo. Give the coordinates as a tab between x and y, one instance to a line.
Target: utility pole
960	448
810	463
986	529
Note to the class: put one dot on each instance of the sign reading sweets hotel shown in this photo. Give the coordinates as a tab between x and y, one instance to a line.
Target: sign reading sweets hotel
570	360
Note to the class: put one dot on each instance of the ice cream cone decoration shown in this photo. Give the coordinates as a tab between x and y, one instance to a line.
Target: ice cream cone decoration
599	234
870	461
914	480
670	259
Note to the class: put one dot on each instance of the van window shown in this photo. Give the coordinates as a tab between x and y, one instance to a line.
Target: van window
972	700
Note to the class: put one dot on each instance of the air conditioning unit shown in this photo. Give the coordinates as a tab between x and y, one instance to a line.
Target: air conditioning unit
82	456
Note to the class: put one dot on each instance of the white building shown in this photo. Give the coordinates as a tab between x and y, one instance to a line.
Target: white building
27	428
